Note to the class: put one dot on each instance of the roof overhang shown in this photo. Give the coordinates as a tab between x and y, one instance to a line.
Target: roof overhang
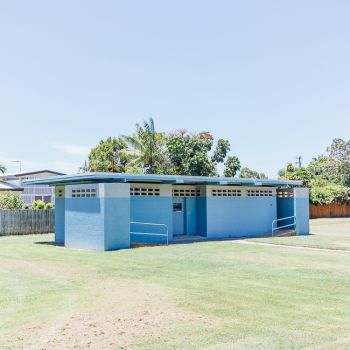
162	179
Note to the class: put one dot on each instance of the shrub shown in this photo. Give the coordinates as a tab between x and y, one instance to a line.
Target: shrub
10	200
48	206
38	205
25	206
330	193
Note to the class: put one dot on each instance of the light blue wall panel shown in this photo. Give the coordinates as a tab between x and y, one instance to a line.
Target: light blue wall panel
301	209
240	216
84	223
152	209
191	214
201	216
59	220
117	223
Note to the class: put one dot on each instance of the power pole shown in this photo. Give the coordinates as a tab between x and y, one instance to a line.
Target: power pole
298	162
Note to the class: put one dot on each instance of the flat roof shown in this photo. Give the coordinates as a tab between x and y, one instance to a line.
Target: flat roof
162	179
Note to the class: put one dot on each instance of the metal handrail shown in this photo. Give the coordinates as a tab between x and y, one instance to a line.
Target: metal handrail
286	218
166	234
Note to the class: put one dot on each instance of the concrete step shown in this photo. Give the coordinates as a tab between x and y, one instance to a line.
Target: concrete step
284	233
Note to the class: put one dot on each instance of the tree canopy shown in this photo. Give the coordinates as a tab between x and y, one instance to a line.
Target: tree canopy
148	151
110	155
151	152
247	173
327	176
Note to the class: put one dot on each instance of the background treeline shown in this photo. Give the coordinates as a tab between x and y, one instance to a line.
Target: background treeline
148	151
327	176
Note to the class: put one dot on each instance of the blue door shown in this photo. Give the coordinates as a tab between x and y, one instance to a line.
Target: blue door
179	216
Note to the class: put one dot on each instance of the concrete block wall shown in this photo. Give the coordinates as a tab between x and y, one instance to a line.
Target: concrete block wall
59	214
151	206
97	216
302	211
248	212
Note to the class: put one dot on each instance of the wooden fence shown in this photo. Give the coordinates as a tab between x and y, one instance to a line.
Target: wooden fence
22	222
329	211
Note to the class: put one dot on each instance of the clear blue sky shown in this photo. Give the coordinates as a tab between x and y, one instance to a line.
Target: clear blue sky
273	77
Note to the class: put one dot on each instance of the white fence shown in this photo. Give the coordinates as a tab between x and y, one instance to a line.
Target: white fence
27	221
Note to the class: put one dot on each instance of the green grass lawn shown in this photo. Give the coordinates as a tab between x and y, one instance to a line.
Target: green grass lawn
325	233
212	295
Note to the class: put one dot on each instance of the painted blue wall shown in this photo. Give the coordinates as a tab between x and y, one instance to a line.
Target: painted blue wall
84	223
201	216
191	215
116	223
59	220
301	209
100	223
285	208
153	209
240	216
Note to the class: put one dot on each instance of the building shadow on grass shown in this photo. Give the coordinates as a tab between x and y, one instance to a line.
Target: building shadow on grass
50	243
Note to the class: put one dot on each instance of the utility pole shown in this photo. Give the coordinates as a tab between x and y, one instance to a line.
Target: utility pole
298	162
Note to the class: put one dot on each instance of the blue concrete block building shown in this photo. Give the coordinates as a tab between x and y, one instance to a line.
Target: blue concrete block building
107	211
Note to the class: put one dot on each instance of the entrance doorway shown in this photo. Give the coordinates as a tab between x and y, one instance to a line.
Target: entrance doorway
179	216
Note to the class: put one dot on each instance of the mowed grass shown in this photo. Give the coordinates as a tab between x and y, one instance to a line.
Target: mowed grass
324	233
213	295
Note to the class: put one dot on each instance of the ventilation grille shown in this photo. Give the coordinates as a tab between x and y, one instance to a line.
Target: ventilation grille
177	192
60	193
83	192
226	193
141	191
259	193
285	194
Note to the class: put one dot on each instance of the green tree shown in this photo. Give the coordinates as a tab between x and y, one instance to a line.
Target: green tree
232	166
339	154
321	166
148	148
189	153
10	200
301	174
110	155
247	173
322	193
221	150
2	168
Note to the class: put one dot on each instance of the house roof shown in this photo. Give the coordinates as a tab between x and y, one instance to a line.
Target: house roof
6	186
27	173
166	179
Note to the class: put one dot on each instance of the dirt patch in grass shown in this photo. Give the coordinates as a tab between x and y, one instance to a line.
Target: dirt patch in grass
117	315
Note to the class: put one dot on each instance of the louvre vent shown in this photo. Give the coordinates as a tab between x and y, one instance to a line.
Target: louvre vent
143	191
179	192
259	193
226	193
83	192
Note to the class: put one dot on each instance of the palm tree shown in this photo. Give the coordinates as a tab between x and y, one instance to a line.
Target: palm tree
2	168
145	146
